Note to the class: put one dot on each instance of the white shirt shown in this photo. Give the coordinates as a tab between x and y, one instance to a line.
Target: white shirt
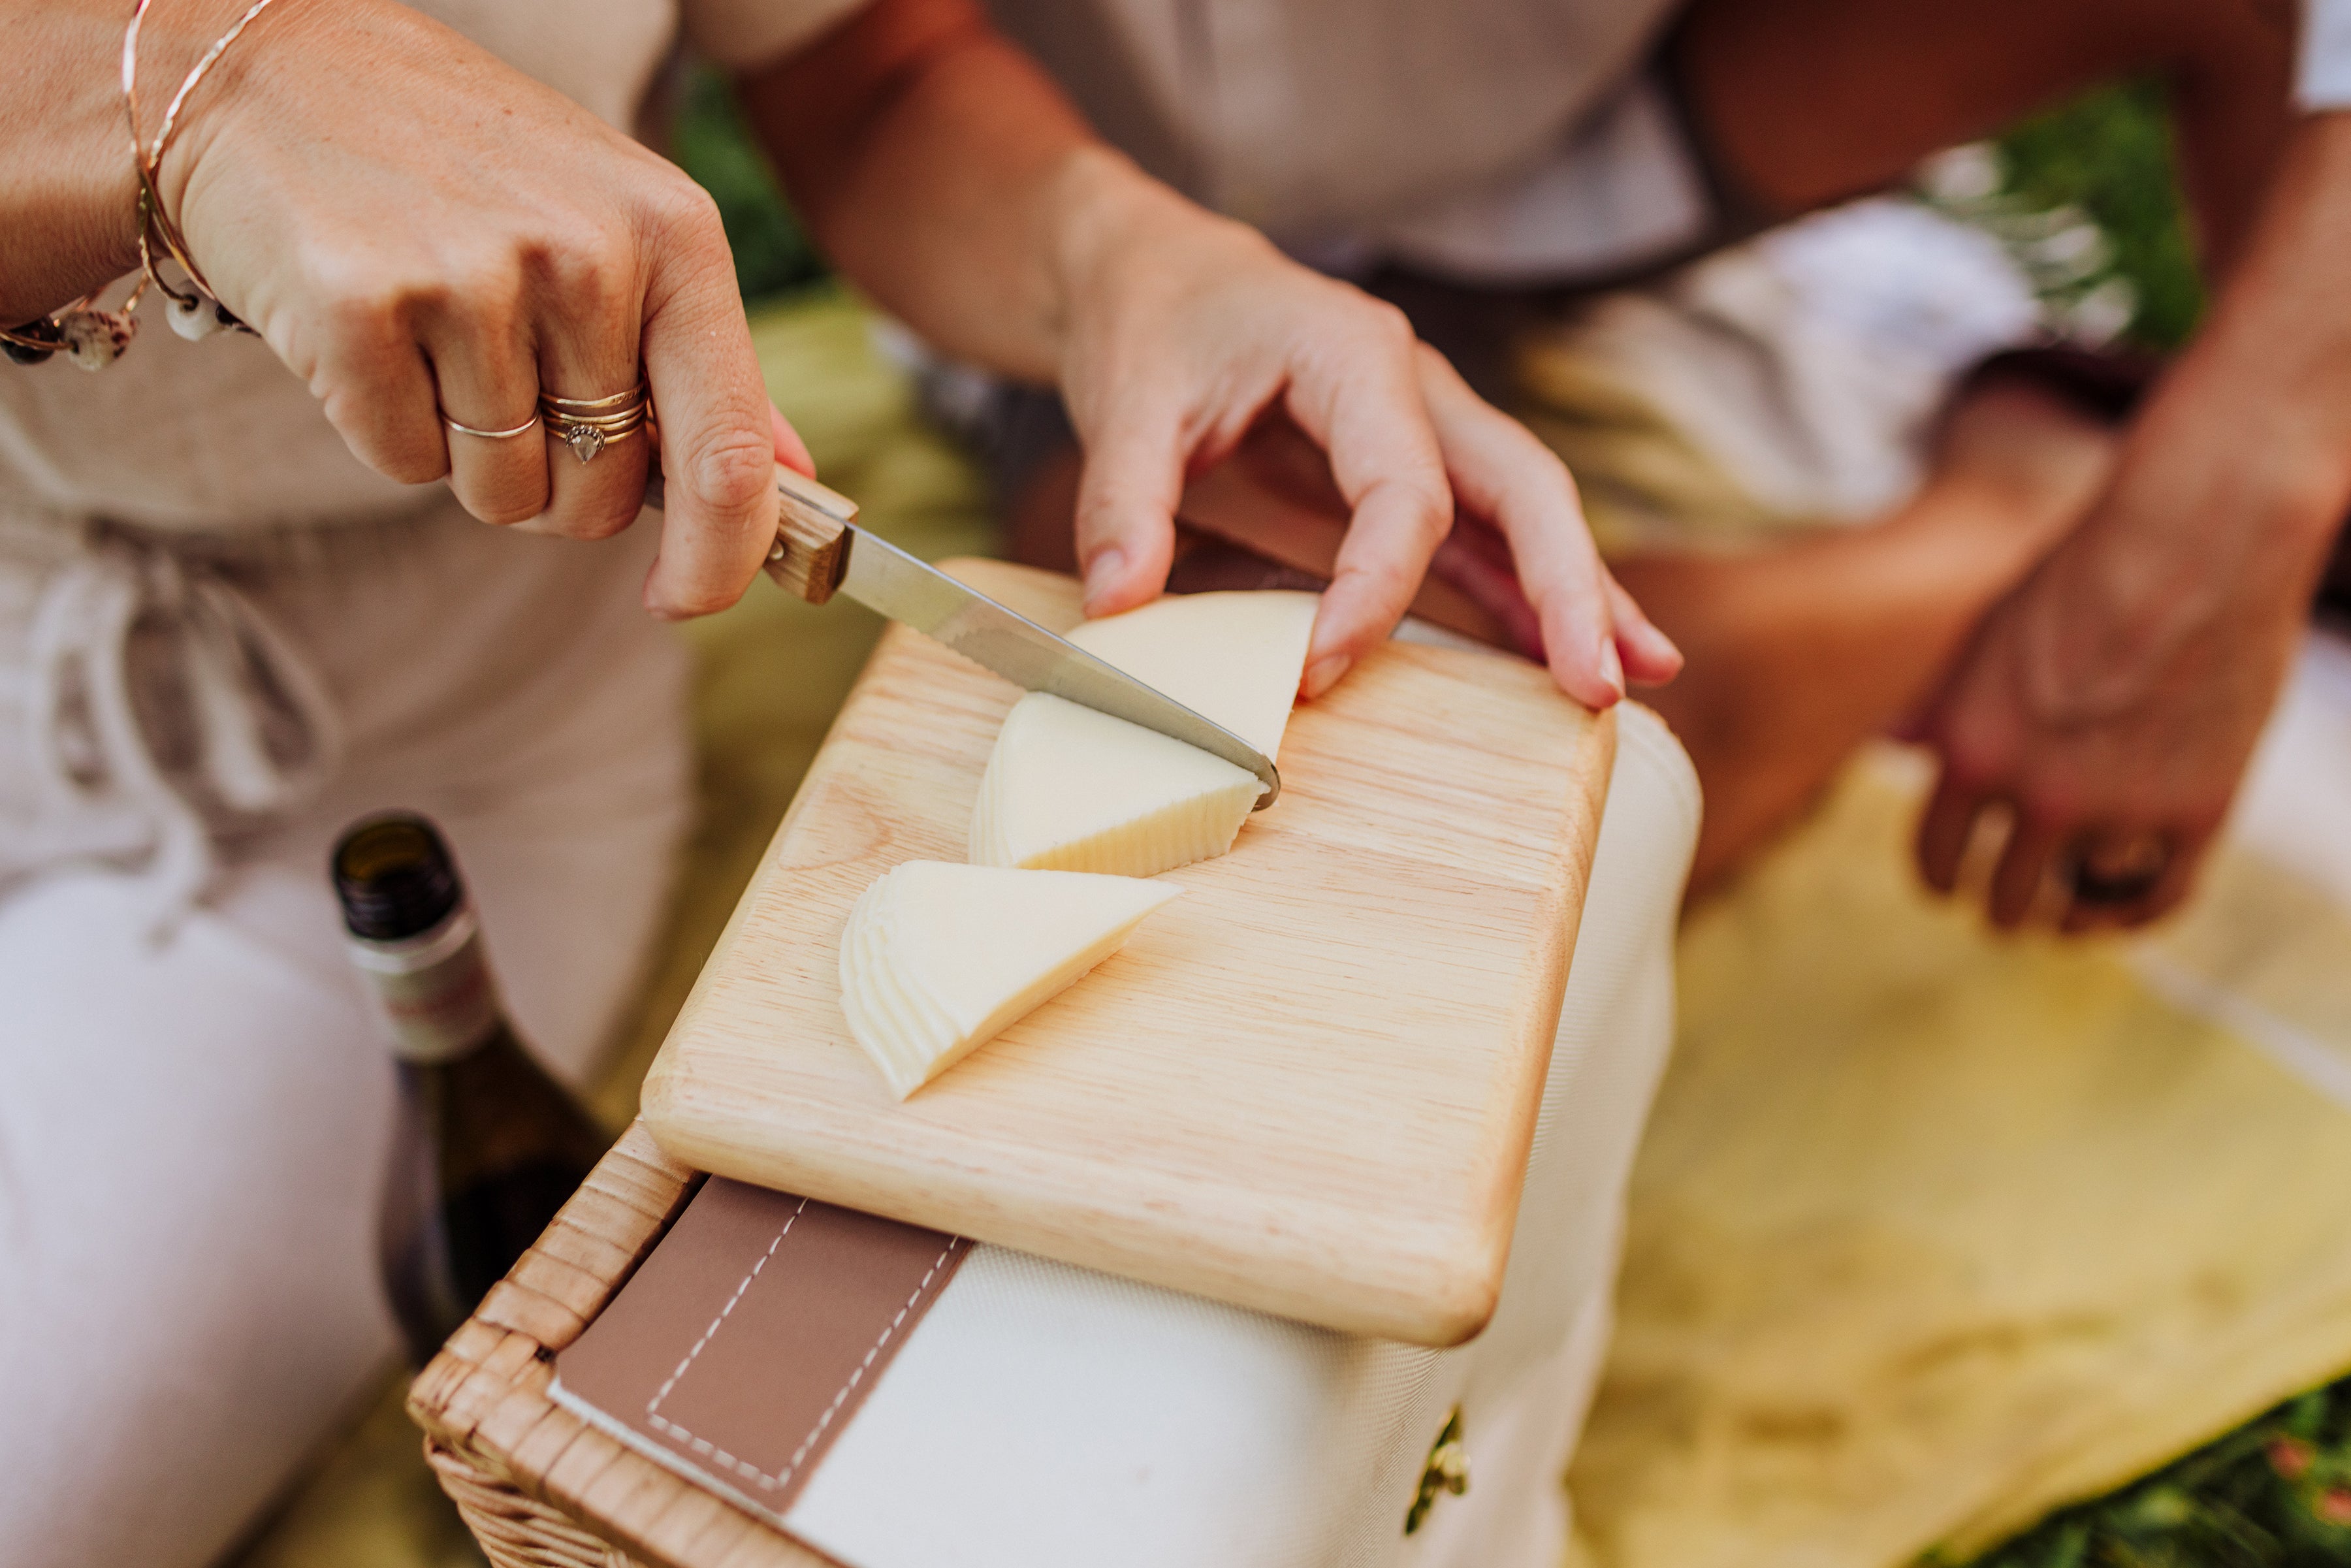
1493	140
2322	78
1497	138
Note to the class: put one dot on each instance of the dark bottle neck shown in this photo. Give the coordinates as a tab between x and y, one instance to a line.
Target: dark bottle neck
433	990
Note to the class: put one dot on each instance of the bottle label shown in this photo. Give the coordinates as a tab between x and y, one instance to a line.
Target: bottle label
433	990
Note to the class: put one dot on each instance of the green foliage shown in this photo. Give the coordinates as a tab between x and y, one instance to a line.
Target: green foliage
2110	154
2274	1493
773	255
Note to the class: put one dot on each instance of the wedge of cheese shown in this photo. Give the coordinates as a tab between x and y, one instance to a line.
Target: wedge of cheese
937	958
1069	789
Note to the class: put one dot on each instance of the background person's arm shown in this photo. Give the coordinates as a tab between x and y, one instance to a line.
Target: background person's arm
456	236
2115	698
2107	706
948	177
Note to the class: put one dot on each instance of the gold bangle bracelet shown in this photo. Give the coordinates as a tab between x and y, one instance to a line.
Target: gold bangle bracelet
191	317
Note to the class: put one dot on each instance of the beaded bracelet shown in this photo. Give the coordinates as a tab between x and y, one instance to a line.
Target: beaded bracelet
94	339
90	338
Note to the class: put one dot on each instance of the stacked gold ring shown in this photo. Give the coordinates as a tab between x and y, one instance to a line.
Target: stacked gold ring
588	425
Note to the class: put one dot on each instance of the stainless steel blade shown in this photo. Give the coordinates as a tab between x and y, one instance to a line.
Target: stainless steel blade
883	577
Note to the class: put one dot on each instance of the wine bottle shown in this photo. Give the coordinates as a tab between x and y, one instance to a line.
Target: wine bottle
487	1147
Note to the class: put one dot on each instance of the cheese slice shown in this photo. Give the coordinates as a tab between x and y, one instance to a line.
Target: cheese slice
938	958
1235	657
1070	789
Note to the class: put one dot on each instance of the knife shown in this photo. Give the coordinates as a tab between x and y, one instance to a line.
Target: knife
820	550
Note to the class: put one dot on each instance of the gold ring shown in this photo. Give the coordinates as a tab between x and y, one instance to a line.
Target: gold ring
2120	872
586	437
586	440
594	404
588	425
522	429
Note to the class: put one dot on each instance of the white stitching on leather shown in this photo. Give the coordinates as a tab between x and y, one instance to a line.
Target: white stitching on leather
662	1393
826	1419
742	1468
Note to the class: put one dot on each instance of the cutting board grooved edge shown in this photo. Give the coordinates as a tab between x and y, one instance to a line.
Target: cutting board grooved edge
1544	985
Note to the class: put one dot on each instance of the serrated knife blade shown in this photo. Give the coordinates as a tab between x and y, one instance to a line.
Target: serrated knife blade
820	550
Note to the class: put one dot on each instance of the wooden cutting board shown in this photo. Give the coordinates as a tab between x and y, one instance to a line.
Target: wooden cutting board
1307	1086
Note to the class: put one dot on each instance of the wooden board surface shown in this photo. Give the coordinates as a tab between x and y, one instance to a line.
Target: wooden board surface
1307	1086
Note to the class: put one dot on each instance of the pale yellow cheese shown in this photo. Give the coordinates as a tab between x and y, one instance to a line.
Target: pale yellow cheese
1235	657
937	958
1070	789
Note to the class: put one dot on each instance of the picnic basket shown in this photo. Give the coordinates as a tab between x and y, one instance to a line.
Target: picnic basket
539	1487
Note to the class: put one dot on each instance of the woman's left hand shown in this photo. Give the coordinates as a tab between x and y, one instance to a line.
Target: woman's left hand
976	204
1186	327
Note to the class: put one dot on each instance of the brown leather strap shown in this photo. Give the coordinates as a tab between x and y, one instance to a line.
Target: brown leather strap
746	1343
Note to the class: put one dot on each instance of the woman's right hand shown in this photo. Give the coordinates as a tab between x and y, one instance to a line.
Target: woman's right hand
455	237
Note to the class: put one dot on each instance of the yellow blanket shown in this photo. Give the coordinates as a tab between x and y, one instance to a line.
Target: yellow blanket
1934	1231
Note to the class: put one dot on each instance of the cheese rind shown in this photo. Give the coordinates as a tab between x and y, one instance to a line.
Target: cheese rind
1071	789
938	958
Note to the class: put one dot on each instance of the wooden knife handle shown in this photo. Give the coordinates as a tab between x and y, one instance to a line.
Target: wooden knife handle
812	548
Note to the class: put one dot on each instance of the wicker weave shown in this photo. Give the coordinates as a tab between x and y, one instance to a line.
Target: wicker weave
516	1531
539	1487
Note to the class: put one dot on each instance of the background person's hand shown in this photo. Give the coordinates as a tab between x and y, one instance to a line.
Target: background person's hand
1187	328
456	236
2106	709
2109	705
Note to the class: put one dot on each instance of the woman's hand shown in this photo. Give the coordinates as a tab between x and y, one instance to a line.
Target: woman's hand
977	207
1183	329
416	228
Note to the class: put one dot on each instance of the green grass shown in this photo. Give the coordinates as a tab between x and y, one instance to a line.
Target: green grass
773	255
2109	154
2274	1493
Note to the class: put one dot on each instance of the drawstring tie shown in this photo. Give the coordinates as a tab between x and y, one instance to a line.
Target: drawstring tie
165	708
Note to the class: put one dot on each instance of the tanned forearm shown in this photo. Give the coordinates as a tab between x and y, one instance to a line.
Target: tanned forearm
2111	702
68	208
2236	476
969	238
2273	358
